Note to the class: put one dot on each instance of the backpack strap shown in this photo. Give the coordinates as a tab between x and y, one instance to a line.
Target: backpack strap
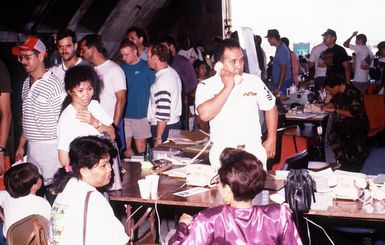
85	216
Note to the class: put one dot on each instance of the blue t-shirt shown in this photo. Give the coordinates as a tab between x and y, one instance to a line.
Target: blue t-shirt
139	78
282	56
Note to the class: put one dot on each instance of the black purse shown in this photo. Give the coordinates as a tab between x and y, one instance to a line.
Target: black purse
299	190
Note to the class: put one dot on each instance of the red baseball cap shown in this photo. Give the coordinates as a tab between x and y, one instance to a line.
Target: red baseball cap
32	43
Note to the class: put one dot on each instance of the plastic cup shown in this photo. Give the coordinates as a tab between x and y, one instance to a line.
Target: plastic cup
154	180
144	188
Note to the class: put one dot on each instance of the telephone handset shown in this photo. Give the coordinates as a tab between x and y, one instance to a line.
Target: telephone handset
200	174
219	66
347	185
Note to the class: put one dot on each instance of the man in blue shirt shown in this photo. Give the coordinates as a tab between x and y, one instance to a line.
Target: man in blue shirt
139	79
282	77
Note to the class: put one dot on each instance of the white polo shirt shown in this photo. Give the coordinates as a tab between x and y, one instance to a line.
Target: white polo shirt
237	124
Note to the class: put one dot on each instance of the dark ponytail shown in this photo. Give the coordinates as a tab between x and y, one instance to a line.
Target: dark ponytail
60	180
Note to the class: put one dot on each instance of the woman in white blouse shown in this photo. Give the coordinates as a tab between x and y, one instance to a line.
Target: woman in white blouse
81	113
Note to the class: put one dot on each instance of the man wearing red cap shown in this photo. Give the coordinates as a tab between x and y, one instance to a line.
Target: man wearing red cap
42	95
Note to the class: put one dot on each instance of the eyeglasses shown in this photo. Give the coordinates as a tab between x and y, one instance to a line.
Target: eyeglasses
214	180
27	57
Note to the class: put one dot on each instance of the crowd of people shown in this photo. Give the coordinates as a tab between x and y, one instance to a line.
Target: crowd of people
72	112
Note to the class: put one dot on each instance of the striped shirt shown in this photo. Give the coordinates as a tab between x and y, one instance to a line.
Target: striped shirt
165	102
41	107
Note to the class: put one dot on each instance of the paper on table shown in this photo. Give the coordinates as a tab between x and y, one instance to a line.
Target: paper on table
182	137
321	179
191	192
176	172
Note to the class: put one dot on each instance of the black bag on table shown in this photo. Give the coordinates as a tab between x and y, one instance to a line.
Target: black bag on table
299	190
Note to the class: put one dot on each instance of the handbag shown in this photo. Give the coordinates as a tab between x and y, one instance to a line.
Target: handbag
299	190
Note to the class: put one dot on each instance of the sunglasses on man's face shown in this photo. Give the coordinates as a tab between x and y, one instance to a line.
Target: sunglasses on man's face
26	57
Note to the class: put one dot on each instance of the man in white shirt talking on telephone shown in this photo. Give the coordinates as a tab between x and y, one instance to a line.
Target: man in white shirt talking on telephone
230	101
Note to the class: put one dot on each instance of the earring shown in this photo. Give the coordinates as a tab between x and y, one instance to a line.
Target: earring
226	199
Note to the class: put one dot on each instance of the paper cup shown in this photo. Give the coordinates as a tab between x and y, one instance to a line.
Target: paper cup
154	180
144	188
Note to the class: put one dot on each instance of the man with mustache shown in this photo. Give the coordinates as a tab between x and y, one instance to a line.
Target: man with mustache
42	95
67	45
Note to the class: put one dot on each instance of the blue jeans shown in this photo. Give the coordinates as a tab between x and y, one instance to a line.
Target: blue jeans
2	238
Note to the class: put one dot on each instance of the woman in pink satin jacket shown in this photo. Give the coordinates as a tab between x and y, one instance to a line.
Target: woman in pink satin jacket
241	178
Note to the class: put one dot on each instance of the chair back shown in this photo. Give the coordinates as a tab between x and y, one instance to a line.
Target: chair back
375	109
147	238
298	161
288	144
31	230
278	149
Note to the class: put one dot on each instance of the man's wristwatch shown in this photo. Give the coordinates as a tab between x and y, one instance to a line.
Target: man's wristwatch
2	149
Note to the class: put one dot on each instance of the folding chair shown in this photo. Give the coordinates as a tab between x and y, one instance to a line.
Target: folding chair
31	230
150	236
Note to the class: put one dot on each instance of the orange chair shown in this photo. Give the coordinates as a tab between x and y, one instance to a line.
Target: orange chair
375	109
291	145
7	165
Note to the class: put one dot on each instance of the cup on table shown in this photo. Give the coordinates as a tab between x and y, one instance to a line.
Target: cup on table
144	188
154	180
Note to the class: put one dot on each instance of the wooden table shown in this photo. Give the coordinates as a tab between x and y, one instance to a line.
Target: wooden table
167	186
333	213
348	209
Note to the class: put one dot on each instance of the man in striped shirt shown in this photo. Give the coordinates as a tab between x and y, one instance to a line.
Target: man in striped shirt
165	104
42	95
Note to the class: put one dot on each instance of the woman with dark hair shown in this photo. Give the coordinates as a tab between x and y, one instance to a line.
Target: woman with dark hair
81	112
73	219
241	178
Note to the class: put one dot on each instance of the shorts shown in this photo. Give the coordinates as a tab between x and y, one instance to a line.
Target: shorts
137	128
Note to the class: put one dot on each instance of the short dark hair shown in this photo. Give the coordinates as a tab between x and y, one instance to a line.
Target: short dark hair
258	40
333	80
242	172
94	40
127	43
197	63
77	74
140	32
160	50
66	33
20	178
169	40
85	152
285	40
362	37
225	44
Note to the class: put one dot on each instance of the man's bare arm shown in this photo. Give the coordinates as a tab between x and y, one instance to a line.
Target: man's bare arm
271	117
119	106
209	109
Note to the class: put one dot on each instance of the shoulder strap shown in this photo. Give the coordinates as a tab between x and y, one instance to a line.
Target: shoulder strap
85	216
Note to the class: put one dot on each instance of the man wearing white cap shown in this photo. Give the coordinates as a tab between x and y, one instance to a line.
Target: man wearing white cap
42	95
